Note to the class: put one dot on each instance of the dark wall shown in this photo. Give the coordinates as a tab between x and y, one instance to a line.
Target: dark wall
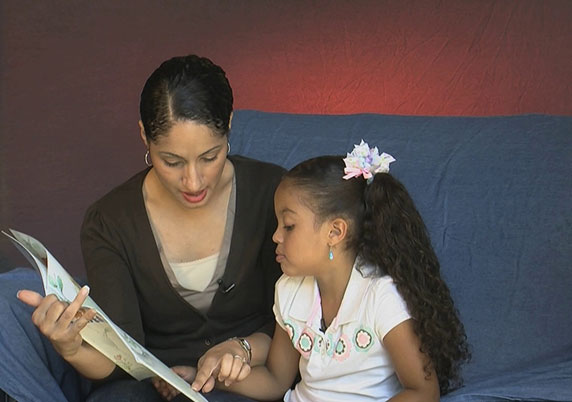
71	72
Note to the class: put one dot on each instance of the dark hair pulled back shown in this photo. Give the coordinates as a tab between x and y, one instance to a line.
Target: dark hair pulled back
186	88
386	230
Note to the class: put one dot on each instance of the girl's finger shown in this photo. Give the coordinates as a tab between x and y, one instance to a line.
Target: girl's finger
244	372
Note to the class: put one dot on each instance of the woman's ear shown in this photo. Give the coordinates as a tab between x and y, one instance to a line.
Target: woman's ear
338	230
142	134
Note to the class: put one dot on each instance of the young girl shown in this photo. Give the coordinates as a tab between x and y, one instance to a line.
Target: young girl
362	311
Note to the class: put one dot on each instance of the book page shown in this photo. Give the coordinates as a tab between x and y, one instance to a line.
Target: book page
101	332
33	251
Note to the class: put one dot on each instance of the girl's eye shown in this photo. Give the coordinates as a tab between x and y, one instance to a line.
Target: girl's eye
288	228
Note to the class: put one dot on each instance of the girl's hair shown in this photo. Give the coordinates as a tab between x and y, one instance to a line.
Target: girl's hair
186	88
386	230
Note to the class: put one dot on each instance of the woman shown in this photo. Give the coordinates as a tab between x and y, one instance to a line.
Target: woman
180	256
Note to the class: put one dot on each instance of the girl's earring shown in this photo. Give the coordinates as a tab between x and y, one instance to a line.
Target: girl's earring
331	254
148	159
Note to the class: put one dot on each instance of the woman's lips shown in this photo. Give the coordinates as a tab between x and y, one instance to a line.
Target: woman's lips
280	258
195	198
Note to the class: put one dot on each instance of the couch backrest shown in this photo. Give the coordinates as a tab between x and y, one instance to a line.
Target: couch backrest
495	193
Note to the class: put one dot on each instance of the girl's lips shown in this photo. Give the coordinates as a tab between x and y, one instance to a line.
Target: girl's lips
195	198
280	258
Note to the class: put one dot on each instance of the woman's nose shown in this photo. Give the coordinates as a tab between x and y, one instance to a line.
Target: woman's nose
192	179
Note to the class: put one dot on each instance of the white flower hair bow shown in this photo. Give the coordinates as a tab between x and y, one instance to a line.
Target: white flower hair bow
365	161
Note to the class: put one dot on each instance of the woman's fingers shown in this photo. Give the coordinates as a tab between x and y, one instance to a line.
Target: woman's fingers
166	391
41	317
82	318
161	387
50	310
209	384
60	322
187	373
72	311
231	368
205	369
30	297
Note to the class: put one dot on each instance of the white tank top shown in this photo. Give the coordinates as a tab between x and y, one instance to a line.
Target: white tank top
195	275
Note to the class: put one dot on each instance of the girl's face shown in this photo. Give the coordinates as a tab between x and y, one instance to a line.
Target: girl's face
302	246
189	161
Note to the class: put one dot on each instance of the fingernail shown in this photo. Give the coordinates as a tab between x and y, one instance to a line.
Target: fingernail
18	294
85	290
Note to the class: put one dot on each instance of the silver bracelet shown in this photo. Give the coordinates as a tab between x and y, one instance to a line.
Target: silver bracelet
245	345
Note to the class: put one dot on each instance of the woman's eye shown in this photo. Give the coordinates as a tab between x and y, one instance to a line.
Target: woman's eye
288	228
172	164
210	159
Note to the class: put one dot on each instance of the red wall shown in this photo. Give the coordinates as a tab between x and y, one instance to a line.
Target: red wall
408	57
71	73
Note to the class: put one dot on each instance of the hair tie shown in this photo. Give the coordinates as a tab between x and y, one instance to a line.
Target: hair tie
365	161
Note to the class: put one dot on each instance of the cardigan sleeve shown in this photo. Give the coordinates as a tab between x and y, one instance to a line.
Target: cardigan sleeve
109	276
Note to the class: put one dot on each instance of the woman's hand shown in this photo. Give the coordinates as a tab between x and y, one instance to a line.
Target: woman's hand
60	322
225	362
187	373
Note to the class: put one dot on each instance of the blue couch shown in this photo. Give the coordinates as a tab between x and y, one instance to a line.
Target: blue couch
495	193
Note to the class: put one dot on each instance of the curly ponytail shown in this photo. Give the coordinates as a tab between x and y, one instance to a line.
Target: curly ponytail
396	240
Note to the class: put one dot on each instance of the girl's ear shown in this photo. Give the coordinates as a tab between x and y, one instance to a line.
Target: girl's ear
338	230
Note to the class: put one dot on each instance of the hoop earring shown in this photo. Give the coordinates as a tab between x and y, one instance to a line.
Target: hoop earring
331	254
228	143
147	159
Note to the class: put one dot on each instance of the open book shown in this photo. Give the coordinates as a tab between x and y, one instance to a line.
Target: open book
100	332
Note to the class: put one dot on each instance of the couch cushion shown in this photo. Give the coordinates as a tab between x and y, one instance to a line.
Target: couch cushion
495	193
544	381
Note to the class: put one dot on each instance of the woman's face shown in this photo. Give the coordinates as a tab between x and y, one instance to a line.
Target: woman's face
189	161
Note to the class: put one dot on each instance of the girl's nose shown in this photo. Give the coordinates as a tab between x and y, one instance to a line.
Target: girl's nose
276	237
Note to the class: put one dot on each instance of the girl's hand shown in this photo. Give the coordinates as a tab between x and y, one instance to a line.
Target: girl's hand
60	322
187	373
225	362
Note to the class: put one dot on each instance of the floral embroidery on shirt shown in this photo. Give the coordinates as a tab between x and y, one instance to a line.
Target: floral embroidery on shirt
343	347
305	344
318	343
363	339
290	330
329	345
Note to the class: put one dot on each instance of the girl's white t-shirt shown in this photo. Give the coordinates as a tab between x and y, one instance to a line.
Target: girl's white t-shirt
348	361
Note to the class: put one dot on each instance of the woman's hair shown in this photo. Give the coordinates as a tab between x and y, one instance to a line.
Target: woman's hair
386	230
186	88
